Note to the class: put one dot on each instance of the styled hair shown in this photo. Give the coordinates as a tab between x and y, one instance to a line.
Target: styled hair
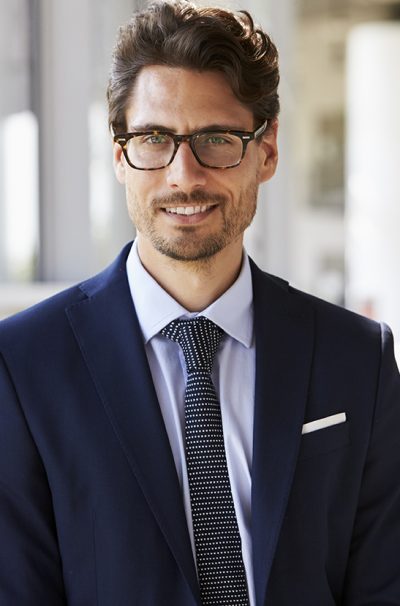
180	34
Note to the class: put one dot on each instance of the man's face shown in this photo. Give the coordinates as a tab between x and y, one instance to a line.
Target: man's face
186	211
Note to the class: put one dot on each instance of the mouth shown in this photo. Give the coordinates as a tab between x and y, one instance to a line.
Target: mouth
189	210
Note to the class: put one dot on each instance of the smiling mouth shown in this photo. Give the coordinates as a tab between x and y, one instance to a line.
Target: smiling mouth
189	210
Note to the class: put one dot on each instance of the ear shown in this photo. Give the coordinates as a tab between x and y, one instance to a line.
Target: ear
269	152
119	163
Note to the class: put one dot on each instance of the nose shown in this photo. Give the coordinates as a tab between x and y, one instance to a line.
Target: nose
185	173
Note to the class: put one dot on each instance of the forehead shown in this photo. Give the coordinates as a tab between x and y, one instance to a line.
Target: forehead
182	98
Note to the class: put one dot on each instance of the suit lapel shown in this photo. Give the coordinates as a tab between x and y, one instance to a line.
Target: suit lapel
284	341
110	339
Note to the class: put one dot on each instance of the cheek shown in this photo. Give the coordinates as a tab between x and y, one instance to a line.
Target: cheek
134	187
241	179
139	193
144	184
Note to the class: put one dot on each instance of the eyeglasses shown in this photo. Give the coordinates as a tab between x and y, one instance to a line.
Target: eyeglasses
156	149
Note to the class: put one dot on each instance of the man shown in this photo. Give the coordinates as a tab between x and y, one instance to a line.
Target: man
134	468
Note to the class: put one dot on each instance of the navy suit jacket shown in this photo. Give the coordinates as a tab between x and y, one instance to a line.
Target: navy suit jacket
91	511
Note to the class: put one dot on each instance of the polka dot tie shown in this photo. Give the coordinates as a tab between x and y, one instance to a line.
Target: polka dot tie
216	535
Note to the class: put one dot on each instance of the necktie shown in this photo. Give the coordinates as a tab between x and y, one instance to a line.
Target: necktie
220	566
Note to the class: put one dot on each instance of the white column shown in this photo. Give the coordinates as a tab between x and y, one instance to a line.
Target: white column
110	223
373	167
14	102
3	262
62	100
268	240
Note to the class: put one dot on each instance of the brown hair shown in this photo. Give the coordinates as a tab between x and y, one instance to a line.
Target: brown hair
179	34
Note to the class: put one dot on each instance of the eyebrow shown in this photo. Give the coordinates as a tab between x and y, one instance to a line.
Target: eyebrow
150	126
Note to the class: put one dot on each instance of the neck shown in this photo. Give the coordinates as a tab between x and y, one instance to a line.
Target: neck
194	284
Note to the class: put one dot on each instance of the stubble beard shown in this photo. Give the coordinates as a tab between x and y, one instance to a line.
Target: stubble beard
187	246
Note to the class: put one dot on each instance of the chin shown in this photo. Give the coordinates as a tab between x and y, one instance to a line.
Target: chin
188	251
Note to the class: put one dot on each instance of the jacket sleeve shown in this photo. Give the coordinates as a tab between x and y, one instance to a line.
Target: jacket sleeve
373	572
30	563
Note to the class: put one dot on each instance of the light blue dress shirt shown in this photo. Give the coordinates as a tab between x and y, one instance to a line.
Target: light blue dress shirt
233	376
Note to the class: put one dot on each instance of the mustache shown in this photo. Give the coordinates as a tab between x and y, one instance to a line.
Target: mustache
198	196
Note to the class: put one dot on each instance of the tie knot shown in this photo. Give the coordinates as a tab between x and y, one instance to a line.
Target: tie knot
199	339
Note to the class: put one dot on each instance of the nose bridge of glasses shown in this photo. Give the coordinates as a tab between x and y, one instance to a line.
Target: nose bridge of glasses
178	139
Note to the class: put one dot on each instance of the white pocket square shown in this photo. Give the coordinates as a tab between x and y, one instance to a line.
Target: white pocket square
340	417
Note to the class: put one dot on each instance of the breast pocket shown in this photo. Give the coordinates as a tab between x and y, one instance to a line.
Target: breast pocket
324	440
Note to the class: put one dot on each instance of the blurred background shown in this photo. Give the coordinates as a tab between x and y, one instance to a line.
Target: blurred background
330	219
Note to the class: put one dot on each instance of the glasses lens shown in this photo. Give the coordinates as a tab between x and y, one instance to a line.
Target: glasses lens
152	150
219	150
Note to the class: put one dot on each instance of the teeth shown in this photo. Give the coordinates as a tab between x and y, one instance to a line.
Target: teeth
188	210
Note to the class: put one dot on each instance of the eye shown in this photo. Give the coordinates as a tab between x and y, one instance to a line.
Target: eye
155	139
216	139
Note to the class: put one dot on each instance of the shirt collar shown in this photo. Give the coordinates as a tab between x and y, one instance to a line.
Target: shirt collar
155	308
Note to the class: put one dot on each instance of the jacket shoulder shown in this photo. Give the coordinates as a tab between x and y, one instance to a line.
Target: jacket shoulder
329	318
49	315
337	316
39	319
